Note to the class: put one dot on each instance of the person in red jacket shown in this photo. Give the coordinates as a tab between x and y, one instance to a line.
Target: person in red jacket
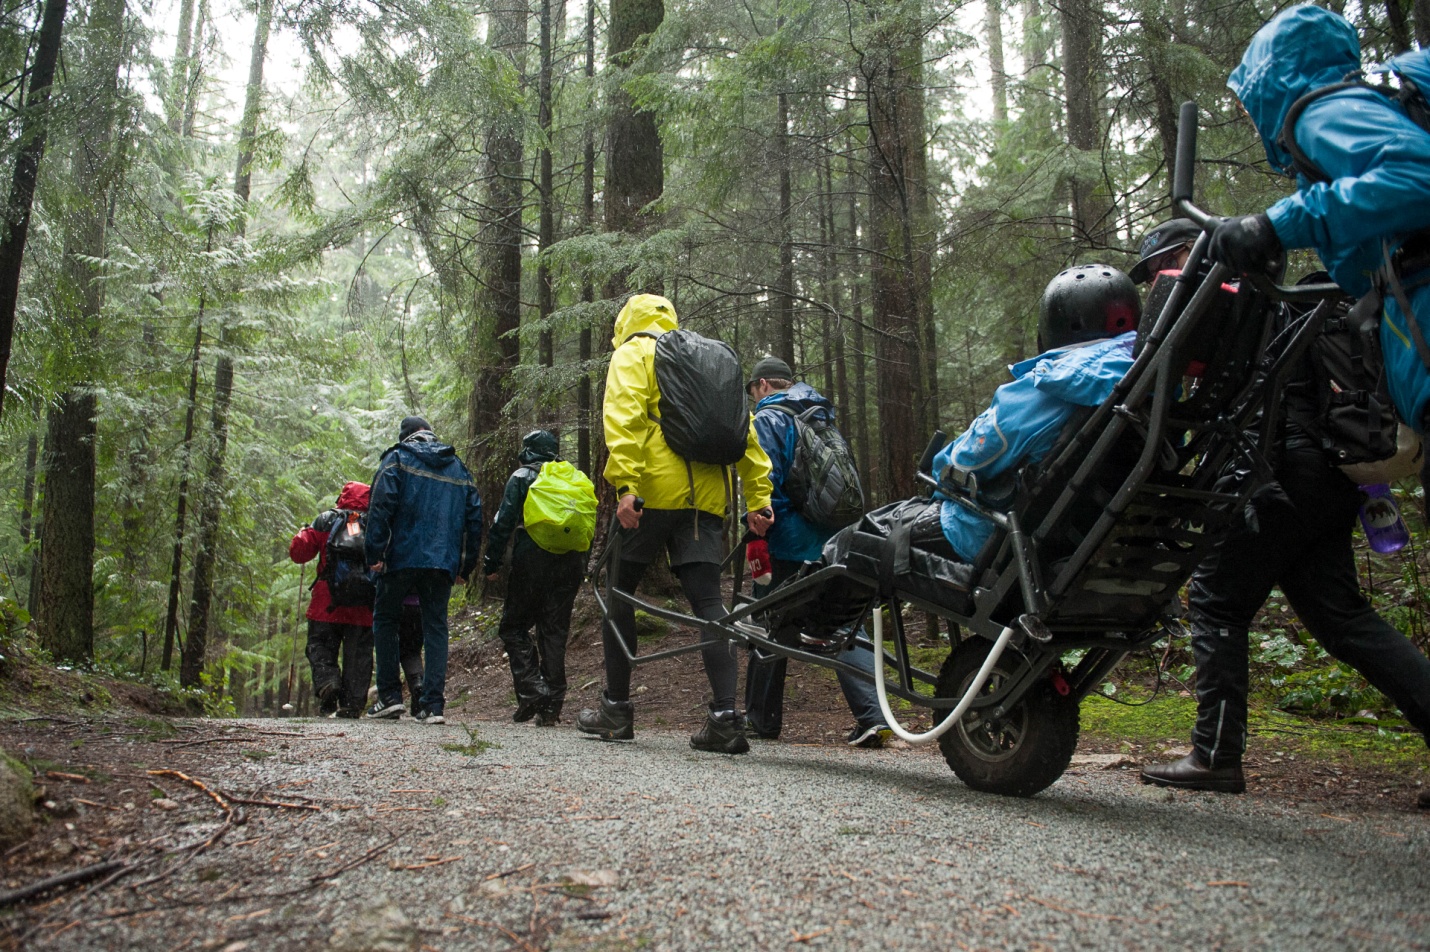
339	636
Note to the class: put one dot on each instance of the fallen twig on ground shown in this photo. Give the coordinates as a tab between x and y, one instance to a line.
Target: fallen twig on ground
73	878
277	804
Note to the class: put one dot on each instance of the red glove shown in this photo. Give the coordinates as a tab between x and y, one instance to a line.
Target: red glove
757	553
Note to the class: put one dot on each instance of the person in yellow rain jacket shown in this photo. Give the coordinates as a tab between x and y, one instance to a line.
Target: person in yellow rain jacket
684	507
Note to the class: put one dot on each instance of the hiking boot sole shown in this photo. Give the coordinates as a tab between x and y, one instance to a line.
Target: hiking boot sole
622	733
1209	786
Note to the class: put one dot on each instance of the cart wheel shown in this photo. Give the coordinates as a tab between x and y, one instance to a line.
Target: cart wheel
1025	750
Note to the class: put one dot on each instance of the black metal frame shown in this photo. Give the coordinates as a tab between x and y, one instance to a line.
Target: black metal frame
1172	483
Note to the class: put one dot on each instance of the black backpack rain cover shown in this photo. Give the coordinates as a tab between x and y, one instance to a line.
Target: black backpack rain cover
703	412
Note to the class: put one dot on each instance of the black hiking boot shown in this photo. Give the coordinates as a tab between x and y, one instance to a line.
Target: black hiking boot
615	720
723	733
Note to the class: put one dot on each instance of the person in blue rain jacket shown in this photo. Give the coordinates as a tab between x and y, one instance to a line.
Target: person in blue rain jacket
1376	202
792	541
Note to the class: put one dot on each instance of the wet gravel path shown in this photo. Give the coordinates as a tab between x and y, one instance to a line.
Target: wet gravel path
790	847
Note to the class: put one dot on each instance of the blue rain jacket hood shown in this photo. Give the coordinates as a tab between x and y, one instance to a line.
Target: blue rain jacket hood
791	538
1023	423
1304	48
1378	161
425	512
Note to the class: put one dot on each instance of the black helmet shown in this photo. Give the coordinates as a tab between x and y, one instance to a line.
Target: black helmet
1088	302
538	446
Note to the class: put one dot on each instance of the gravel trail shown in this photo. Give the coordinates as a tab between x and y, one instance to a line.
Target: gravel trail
789	847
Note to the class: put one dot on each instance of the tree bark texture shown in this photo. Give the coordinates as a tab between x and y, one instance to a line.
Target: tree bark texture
1092	217
176	562
1422	23
66	622
1399	25
993	29
861	355
179	75
899	239
588	225
495	345
25	174
635	167
546	226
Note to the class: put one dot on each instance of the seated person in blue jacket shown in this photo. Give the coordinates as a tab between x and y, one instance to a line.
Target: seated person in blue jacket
1087	325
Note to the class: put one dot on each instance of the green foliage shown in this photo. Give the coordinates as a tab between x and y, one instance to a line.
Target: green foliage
474	747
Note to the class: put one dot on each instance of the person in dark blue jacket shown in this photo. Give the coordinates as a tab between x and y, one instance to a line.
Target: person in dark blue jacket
424	532
541	590
1375	202
792	541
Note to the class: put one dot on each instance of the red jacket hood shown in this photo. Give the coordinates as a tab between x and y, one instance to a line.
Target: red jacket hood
355	496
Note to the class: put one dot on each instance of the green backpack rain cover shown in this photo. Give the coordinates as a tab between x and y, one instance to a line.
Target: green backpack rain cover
560	509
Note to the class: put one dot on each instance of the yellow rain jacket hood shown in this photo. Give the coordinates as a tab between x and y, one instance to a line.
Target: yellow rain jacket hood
640	461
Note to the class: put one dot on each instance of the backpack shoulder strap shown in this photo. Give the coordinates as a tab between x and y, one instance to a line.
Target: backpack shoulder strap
1286	139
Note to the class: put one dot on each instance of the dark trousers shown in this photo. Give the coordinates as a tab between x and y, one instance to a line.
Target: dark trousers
541	589
701	584
340	655
1303	546
765	679
434	588
409	650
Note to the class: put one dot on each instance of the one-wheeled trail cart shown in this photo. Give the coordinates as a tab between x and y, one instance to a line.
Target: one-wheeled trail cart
1087	564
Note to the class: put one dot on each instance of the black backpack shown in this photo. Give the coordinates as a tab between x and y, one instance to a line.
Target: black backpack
350	582
1346	406
702	397
822	482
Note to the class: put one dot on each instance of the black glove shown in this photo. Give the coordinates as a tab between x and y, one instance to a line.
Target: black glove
1246	243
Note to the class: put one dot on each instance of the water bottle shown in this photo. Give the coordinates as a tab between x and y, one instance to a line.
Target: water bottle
1380	517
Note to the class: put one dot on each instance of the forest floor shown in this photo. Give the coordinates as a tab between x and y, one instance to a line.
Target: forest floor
218	826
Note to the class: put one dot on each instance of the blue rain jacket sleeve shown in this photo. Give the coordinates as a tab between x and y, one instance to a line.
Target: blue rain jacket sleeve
1377	158
1023	423
791	538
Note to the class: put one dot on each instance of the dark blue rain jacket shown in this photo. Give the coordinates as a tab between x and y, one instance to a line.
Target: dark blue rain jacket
791	538
1378	161
425	512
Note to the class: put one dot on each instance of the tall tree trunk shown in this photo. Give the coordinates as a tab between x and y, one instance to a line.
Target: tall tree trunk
27	503
1082	54
494	342
993	28
785	330
194	79
1422	23
588	225
834	341
66	604
210	509
635	165
899	239
861	354
24	175
546	227
179	75
186	455
66	622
